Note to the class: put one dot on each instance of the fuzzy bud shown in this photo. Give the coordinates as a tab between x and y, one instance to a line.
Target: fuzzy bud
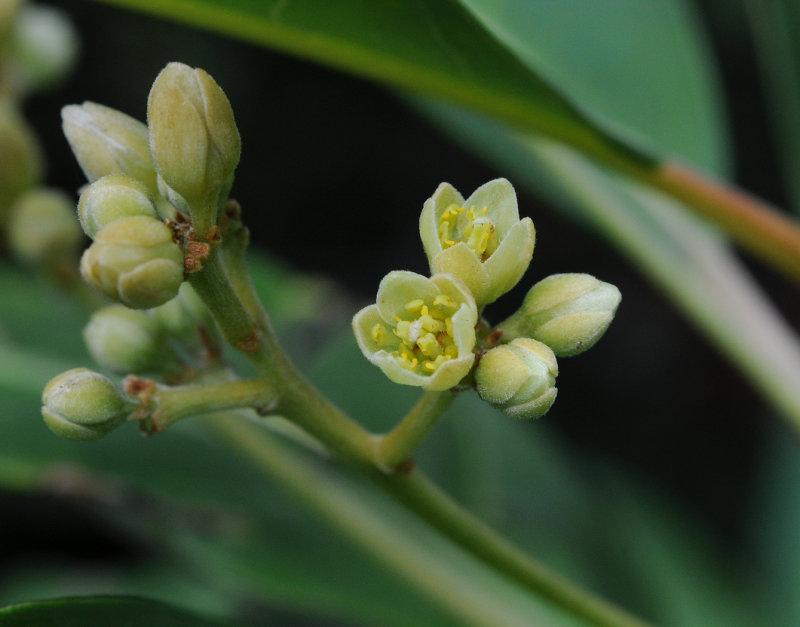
568	312
134	261
106	141
110	198
42	227
20	158
125	340
518	378
83	405
193	136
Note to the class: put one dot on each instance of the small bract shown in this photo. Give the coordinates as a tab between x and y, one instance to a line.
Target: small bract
481	240
420	331
135	262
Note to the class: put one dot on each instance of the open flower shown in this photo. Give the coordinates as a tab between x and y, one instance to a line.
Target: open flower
481	240
421	331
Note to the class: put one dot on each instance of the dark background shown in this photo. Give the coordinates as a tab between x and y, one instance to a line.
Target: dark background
333	175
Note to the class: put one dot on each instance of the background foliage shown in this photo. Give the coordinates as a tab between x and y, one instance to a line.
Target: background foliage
662	478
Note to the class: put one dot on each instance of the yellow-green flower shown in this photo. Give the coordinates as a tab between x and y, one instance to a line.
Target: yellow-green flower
481	240
420	331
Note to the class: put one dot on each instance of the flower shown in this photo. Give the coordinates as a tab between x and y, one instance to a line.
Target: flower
481	240
518	378
420	331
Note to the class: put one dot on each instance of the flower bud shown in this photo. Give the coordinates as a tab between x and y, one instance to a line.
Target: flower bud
568	312
44	47
193	137
184	316
110	198
83	405
20	158
125	340
518	378
134	261
42	227
106	141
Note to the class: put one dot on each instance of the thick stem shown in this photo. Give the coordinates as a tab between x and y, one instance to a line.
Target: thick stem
396	446
754	224
173	403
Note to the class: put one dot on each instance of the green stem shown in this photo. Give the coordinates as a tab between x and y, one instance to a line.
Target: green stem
173	403
420	495
396	446
754	224
310	410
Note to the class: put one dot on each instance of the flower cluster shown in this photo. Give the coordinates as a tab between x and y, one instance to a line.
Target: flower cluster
143	177
430	332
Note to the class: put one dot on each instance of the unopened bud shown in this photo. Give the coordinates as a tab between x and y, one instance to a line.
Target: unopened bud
518	378
113	197
193	136
125	341
184	316
44	47
568	312
106	141
20	158
42	227
135	262
83	405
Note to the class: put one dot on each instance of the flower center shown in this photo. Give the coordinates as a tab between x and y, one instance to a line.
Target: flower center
425	333
471	226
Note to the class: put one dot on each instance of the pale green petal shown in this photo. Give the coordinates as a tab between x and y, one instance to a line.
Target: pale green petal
536	408
500	375
449	373
444	196
395	372
511	259
399	288
363	323
462	262
501	199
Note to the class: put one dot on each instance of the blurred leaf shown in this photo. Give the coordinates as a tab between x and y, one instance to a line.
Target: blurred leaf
775	27
435	47
643	65
100	611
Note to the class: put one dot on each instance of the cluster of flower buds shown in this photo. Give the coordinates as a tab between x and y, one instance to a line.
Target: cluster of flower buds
429	332
151	204
142	176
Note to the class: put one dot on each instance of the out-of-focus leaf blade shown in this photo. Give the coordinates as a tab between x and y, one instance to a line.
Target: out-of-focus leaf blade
436	47
100	612
776	27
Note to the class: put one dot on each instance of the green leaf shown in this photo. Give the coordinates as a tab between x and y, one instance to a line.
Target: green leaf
436	47
100	611
775	27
